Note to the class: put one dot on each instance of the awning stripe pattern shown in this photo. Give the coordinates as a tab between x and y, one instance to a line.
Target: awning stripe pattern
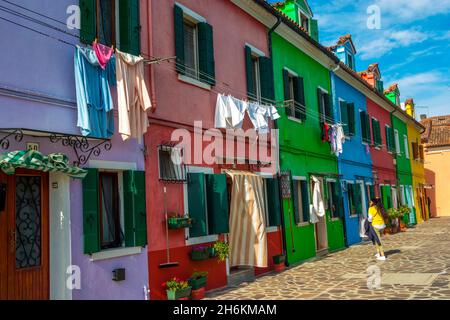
34	160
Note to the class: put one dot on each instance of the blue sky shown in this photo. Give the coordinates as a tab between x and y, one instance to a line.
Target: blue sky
412	46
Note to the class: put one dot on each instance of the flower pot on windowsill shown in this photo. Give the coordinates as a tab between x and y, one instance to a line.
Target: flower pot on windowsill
198	283
179	223
179	294
200	255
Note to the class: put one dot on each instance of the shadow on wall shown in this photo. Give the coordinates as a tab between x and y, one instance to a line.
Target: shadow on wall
430	177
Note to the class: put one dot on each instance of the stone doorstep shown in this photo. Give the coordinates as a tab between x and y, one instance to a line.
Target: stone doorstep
414	279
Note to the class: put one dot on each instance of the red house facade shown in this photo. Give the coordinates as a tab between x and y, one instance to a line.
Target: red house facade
214	56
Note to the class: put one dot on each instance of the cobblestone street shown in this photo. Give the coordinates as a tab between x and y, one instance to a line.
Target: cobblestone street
417	267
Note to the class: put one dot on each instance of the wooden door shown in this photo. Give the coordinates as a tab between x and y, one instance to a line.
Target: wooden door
27	237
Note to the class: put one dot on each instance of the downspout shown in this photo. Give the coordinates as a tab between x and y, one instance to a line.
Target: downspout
150	48
280	195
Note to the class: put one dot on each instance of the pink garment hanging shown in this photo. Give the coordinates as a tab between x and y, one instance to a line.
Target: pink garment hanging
103	54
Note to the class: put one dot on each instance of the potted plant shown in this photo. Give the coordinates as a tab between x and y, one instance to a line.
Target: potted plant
198	282
221	250
278	261
200	253
177	289
176	221
393	219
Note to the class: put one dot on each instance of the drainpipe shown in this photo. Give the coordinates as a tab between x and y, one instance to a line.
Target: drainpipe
150	48
283	231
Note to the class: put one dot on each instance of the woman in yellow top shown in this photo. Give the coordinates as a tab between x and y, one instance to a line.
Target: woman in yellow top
377	216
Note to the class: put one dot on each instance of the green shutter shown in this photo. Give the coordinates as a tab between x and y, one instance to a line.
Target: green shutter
91	228
273	201
380	142
88	21
135	213
372	192
299	97
287	91
305	200
374	132
351	201
329	108
266	80
179	39
351	118
217	200
206	53
249	68
389	138
367	121
314	29
197	204
357	198
320	104
344	117
130	27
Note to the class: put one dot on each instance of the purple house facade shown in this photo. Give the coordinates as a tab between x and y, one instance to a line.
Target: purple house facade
63	237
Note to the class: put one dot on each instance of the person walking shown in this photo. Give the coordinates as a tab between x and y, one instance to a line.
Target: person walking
377	217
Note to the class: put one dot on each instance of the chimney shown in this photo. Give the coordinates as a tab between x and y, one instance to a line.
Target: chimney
423	116
409	107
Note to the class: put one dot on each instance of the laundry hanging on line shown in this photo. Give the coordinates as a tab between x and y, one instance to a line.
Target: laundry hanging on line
230	113
337	139
133	97
94	102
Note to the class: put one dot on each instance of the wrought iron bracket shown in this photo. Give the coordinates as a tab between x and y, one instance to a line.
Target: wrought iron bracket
18	136
82	147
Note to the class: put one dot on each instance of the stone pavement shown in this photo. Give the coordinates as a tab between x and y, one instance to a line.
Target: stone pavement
417	267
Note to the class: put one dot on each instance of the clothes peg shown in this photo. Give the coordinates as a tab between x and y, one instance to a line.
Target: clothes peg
95	41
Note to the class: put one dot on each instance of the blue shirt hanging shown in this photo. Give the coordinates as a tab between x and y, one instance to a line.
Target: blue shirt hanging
94	101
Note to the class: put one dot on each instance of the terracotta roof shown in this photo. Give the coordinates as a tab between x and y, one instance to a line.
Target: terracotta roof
341	41
370	68
437	131
391	88
409	101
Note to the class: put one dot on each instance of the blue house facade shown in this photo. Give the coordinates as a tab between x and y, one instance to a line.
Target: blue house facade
354	163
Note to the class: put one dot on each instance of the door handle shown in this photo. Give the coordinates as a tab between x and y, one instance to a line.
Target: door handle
12	241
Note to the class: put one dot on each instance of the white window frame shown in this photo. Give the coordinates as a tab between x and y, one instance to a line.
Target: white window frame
347	137
323	111
406	143
307	16
292	75
257	53
296	179
328	180
119	168
397	142
203	239
195	18
352	182
381	137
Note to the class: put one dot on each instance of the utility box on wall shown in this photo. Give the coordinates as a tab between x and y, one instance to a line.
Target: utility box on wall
119	274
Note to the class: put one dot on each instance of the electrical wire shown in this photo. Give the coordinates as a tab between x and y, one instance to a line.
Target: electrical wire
35	12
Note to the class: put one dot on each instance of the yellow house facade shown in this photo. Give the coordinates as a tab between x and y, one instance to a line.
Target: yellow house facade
416	156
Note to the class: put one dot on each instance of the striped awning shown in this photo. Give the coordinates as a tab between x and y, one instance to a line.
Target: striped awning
34	160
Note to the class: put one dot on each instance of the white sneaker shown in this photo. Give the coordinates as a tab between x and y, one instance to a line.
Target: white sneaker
381	258
377	255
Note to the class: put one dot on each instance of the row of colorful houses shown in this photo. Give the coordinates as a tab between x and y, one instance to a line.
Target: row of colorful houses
337	139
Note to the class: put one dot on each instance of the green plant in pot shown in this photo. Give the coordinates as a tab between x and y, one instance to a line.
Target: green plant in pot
177	289
198	279
221	250
176	221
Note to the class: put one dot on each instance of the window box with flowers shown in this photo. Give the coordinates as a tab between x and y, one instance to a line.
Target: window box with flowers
176	221
177	289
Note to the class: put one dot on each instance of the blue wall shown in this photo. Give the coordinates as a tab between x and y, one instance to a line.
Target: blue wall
355	161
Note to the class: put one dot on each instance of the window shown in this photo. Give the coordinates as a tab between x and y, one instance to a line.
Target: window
325	106
259	72
402	196
421	153
170	167
111	22
405	143
350	60
300	198
397	142
365	126
294	95
334	200
272	203
110	228
207	204
379	85
347	117
194	46
105	224
389	139
394	197
304	21
354	198
376	132
370	191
